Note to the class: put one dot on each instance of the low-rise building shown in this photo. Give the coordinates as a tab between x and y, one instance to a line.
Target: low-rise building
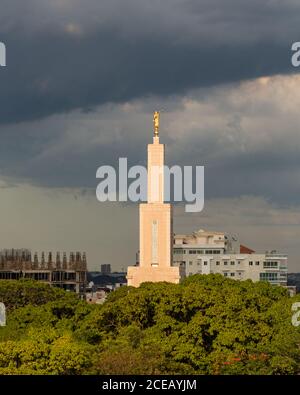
96	295
206	252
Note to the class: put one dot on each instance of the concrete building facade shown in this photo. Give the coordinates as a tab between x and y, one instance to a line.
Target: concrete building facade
69	274
205	252
106	268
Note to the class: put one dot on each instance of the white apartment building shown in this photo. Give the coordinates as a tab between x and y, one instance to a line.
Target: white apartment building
206	252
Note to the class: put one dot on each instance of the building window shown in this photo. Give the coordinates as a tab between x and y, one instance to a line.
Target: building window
257	263
270	264
190	263
250	263
232	274
232	263
205	263
225	263
225	274
177	251
210	252
268	276
217	263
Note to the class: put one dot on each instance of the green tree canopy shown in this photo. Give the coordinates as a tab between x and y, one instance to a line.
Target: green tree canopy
206	325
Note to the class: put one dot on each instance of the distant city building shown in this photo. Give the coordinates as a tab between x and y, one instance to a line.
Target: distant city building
214	252
105	269
111	280
294	280
98	290
69	274
292	289
96	295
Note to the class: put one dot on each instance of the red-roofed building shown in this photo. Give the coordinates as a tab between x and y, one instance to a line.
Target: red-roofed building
245	250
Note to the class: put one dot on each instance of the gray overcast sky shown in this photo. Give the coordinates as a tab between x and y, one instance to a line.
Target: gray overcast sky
81	83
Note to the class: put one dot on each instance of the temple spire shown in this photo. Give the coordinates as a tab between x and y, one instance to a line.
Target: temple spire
156	233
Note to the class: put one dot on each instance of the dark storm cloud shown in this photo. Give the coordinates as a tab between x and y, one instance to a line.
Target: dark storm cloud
64	54
246	136
81	82
272	175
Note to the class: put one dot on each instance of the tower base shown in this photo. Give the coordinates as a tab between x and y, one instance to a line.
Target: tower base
136	275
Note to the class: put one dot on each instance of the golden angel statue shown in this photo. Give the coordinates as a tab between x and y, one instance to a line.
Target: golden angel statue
156	122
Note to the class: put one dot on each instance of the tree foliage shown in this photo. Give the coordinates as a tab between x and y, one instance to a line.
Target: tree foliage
19	293
206	325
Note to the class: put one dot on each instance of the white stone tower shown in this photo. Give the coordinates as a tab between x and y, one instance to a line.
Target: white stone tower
156	220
